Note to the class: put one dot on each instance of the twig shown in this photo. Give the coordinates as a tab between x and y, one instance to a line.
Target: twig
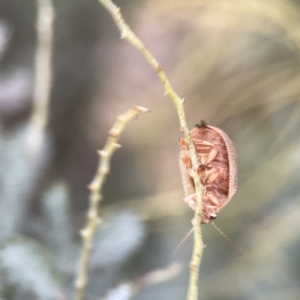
127	291
43	74
127	33
95	188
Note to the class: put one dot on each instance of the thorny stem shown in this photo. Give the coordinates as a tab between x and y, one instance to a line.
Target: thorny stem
127	33
95	188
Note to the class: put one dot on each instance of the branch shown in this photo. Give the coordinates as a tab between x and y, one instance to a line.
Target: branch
95	188
127	291
127	33
43	74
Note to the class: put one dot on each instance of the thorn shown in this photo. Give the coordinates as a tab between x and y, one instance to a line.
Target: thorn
118	145
113	134
84	233
80	283
141	109
92	186
182	100
102	153
158	68
115	9
92	215
123	33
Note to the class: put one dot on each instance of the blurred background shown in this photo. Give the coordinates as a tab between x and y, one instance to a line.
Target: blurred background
236	63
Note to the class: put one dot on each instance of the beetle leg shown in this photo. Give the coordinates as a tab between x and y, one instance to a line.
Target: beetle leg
187	161
209	176
206	151
213	199
190	200
212	154
182	142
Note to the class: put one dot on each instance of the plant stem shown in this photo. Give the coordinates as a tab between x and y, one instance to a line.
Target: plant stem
43	74
95	188
127	33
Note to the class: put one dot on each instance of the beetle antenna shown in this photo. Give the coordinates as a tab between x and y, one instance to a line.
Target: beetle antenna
233	245
183	241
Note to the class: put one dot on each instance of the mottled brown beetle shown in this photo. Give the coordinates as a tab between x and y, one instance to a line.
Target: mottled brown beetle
217	169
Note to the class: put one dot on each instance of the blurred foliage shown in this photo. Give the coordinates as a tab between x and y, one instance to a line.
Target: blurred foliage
27	266
237	65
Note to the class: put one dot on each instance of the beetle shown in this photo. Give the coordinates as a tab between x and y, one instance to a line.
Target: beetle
217	169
